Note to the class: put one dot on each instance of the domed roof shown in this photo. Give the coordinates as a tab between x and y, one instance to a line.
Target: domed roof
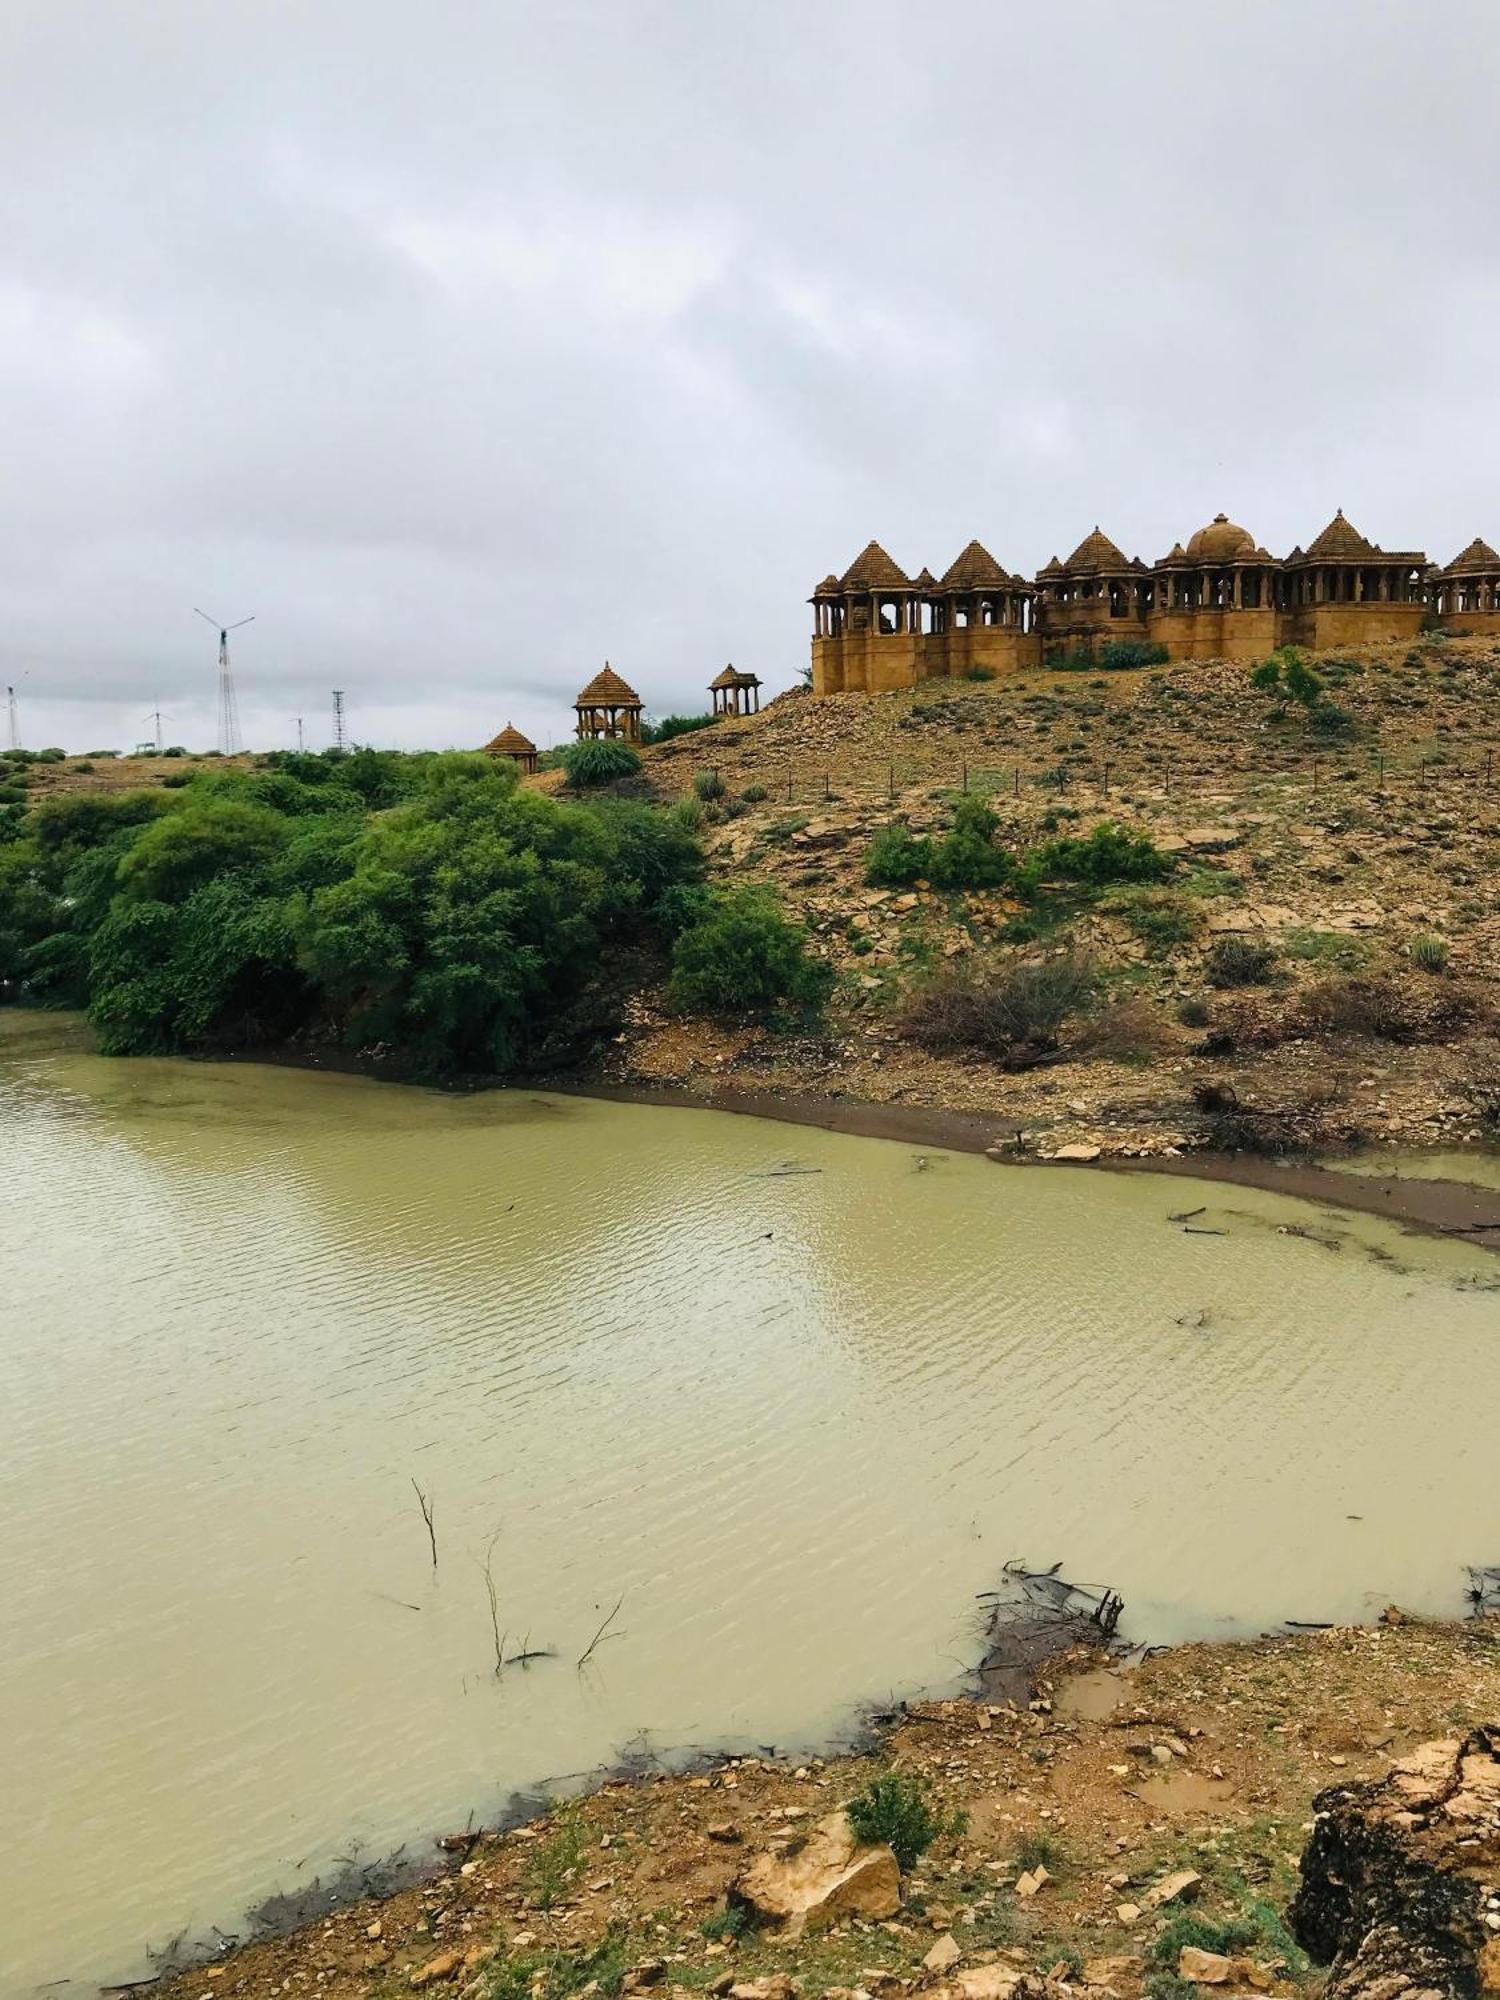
607	690
1222	541
1096	552
829	587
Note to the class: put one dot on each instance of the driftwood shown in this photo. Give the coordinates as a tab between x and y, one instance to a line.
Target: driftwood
1035	1615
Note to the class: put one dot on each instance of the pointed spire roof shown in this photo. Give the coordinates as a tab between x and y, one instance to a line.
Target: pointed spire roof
829	587
873	569
733	678
974	568
607	690
1096	552
1176	554
510	743
1341	541
1477	559
1052	567
924	579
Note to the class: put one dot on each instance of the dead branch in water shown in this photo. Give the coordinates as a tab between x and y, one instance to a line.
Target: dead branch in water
424	1501
527	1652
603	1632
489	1584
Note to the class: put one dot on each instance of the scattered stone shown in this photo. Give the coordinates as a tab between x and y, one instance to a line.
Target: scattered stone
775	1986
1078	1152
1128	1913
1029	1883
724	1831
650	1972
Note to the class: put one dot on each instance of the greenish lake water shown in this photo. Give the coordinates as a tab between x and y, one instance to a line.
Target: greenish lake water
797	1419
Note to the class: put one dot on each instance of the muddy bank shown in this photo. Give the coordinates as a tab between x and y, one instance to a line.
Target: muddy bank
1433	1207
1071	1830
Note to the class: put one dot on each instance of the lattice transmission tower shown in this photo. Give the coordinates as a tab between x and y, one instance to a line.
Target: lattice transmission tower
340	731
229	715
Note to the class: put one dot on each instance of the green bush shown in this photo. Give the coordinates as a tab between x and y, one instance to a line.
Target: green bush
709	786
752	795
1106	855
599	763
1236	961
1126	653
1429	953
1161	920
896	858
744	957
967	857
980	674
893	1808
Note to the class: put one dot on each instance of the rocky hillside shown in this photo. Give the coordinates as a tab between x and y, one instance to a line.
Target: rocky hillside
1322	963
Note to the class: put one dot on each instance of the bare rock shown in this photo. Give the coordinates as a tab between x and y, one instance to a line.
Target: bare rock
995	1981
1397	1887
944	1955
1203	1968
775	1986
1178	1887
831	1875
444	1966
1120	1972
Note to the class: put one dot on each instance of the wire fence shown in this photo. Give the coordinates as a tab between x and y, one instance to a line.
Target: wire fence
1433	780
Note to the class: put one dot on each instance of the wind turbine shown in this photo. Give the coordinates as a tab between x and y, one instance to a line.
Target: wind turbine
153	716
229	719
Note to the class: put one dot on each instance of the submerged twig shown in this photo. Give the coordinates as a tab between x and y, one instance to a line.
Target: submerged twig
424	1501
603	1632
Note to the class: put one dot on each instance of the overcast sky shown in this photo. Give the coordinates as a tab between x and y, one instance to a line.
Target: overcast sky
468	344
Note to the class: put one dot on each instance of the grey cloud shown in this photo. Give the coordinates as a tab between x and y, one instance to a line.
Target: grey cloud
468	345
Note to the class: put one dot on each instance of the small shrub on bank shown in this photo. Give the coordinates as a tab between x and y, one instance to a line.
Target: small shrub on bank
709	786
1429	953
967	857
896	858
1162	921
743	956
1236	961
1014	1010
599	763
1384	1010
1105	856
557	1861
752	795
980	674
894	1809
1122	654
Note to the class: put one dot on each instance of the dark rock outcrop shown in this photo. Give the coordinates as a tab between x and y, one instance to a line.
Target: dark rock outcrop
1401	1878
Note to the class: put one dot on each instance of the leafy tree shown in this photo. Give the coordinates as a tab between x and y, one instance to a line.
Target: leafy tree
208	836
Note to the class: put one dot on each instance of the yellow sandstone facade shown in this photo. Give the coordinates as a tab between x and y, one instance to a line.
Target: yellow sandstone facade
1221	597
